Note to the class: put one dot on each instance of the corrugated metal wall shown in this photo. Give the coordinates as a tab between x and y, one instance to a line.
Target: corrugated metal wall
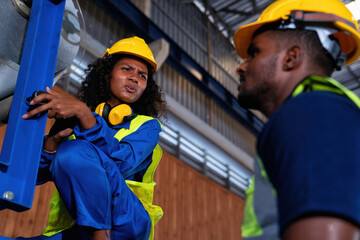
184	92
187	26
224	61
183	23
101	25
188	95
234	131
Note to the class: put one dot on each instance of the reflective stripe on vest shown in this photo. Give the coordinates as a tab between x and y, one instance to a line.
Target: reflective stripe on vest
59	218
316	83
251	227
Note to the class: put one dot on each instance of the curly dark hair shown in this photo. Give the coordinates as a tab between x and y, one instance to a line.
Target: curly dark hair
95	89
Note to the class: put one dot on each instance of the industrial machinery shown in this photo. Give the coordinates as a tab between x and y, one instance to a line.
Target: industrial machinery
39	39
14	18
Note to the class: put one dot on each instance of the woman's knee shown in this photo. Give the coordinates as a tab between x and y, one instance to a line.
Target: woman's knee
71	156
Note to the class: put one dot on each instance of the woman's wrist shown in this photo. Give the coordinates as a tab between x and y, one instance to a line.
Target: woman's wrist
50	145
85	116
50	152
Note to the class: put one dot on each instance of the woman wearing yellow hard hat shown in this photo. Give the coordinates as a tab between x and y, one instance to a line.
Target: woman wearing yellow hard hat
103	163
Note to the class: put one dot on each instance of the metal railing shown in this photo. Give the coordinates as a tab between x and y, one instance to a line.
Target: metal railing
199	159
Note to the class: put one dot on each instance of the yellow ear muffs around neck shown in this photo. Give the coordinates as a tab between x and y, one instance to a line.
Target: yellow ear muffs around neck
113	115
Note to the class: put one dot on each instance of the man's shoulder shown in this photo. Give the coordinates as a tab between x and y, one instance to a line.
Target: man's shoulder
312	112
319	97
316	103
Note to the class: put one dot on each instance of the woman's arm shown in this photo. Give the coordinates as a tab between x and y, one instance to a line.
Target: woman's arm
321	227
129	153
61	107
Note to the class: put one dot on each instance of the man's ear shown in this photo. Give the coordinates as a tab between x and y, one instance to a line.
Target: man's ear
293	58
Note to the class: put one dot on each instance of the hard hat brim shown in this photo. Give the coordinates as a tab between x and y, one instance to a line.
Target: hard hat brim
149	61
244	35
134	46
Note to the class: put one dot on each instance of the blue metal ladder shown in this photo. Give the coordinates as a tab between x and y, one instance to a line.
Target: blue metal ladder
20	154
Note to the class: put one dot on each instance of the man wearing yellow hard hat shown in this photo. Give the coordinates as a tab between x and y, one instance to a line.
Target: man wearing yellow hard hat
309	147
103	150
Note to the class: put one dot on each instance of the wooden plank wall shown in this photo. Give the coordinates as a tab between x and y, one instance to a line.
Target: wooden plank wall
194	206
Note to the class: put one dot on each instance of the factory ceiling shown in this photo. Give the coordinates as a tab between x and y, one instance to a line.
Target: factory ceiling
228	15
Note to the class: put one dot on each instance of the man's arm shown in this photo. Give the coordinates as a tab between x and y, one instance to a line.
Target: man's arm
321	227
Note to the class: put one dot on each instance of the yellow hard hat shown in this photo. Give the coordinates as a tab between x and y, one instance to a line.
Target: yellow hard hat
333	11
133	46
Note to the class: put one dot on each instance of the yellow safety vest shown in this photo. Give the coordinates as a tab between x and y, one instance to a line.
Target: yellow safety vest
251	226
59	218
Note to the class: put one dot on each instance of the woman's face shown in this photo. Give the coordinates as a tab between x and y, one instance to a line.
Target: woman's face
128	80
